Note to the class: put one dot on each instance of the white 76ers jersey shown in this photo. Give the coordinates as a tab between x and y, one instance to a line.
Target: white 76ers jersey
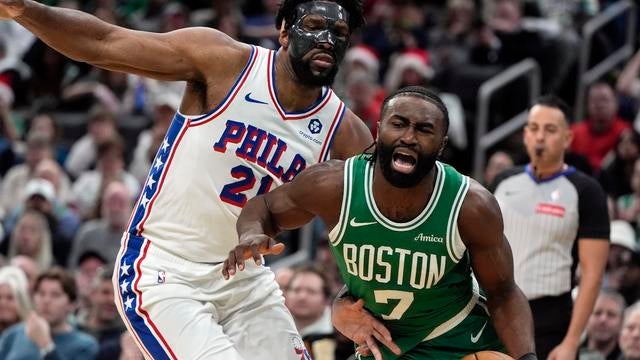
209	166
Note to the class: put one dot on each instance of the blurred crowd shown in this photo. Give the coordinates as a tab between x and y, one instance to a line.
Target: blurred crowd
76	143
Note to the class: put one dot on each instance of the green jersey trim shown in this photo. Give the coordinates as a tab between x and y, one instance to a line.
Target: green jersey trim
418	220
336	234
458	318
455	246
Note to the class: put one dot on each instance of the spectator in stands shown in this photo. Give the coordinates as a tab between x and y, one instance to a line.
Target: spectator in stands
550	208
50	170
47	333
598	133
102	88
63	223
568	14
364	98
604	326
412	68
88	187
629	83
128	348
103	235
500	42
283	277
358	59
452	41
43	123
498	162
308	298
617	167
149	141
101	126
90	264
260	28
149	16
630	279
29	267
8	133
623	246
630	334
15	301
32	238
39	147
50	70
102	320
628	205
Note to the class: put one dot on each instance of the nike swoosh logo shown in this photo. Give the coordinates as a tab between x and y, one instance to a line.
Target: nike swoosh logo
354	223
248	98
474	339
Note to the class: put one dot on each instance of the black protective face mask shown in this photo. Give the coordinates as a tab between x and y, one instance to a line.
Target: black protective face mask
303	40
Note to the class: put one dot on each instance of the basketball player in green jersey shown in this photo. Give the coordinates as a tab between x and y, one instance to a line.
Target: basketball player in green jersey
407	232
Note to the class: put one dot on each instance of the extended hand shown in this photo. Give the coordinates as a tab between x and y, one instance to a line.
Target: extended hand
11	8
563	352
250	247
356	323
37	330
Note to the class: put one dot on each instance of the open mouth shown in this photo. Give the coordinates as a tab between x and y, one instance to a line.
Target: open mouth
403	161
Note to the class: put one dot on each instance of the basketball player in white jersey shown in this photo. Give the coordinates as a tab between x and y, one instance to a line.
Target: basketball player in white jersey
250	120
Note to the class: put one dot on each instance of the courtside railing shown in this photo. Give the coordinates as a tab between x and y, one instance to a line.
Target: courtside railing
485	139
587	76
304	253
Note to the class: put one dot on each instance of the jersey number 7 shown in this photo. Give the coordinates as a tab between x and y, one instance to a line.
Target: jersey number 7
405	297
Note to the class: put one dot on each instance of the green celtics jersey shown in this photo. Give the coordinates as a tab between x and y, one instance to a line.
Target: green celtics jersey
416	275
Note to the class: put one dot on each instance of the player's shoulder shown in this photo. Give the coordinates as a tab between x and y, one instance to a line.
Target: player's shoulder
478	195
480	207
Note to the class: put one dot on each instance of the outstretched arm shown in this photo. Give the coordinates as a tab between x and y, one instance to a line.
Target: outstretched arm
316	191
481	229
177	55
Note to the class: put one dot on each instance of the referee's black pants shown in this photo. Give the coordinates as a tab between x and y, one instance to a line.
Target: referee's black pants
551	318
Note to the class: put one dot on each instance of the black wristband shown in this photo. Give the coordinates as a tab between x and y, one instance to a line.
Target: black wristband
528	356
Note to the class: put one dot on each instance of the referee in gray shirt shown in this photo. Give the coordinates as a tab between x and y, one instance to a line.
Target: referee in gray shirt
554	214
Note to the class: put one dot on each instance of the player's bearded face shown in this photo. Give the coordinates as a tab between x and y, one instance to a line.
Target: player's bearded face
387	154
318	40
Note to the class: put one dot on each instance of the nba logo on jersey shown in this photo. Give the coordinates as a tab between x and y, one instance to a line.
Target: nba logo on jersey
161	277
298	347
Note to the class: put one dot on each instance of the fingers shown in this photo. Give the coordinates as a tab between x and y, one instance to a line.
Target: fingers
363	350
256	255
275	247
253	248
373	347
240	255
383	335
229	265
